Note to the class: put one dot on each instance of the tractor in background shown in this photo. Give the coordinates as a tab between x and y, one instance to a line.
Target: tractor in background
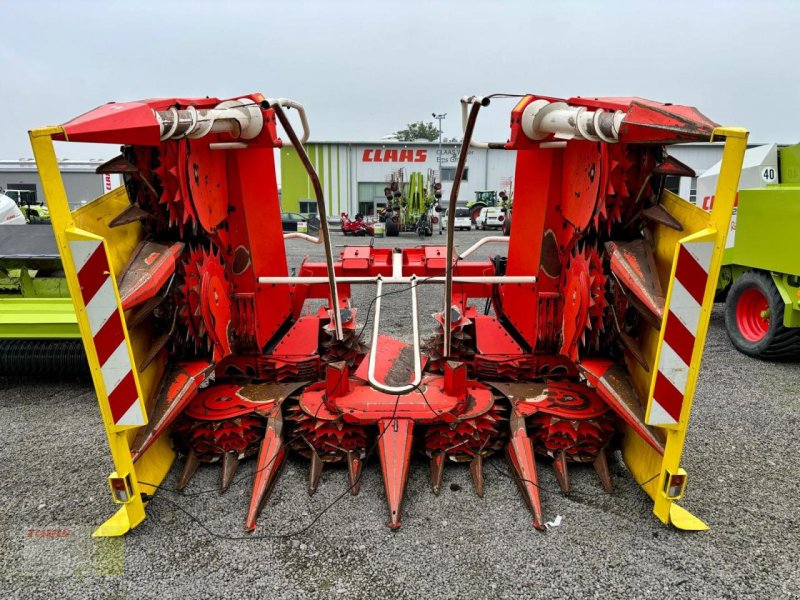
35	211
488	199
760	277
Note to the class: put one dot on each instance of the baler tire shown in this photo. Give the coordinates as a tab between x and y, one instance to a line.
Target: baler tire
392	228
765	339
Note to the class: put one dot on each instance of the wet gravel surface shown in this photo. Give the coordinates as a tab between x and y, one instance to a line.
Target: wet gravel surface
741	455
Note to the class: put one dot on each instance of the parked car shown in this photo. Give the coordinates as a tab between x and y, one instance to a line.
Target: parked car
491	217
289	220
463	219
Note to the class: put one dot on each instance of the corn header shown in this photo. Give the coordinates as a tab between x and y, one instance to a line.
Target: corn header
199	344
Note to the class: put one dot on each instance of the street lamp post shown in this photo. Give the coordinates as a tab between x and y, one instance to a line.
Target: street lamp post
439	118
439	157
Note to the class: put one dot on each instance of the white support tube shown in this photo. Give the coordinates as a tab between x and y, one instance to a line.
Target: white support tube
301	111
542	119
241	118
466	101
489	239
294	235
489	279
397	265
373	351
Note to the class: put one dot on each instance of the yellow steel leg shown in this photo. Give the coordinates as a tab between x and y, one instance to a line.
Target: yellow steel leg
719	220
131	513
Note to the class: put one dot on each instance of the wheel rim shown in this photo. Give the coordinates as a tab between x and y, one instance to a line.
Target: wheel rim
752	315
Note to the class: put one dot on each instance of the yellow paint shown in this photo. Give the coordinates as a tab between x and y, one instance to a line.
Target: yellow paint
95	216
644	462
90	222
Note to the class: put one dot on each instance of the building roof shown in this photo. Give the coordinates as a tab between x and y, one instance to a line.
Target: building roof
65	164
383	142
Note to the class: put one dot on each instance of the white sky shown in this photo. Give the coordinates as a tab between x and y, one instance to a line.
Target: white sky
365	69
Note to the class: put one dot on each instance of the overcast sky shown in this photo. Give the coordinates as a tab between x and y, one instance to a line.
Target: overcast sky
365	69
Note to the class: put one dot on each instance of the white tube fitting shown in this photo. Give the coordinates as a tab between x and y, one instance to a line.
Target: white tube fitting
542	119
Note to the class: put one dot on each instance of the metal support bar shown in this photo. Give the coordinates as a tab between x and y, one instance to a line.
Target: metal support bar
240	118
293	235
489	279
489	239
466	101
373	351
321	211
397	265
301	111
451	216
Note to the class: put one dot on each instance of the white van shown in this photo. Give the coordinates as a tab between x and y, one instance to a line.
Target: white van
463	219
491	217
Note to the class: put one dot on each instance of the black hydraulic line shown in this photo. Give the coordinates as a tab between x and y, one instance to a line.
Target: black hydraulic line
323	217
451	215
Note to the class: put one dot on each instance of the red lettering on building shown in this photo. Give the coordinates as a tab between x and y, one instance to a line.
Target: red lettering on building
394	155
708	201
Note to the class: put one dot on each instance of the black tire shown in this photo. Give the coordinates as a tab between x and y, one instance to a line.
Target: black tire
751	334
392	228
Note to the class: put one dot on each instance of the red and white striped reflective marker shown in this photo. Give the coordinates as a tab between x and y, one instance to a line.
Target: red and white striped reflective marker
105	322
682	322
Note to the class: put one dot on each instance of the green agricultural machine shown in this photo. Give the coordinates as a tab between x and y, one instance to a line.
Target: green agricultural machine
760	277
412	205
38	329
487	198
35	211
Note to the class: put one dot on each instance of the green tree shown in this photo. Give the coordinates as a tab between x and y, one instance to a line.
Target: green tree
419	131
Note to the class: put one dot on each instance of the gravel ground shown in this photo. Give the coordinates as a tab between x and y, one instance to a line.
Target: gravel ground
741	456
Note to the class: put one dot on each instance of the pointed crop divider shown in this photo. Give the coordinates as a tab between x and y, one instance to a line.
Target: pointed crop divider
522	459
659	214
562	474
601	466
130	214
120	165
615	388
314	472
672	166
394	446
178	386
189	469
476	470
633	265
230	463
270	460
355	462
437	471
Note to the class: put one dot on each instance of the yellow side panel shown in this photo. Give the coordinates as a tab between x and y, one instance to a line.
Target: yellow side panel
95	216
642	460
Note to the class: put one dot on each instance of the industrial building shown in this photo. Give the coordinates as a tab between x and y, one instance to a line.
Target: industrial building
20	180
354	174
